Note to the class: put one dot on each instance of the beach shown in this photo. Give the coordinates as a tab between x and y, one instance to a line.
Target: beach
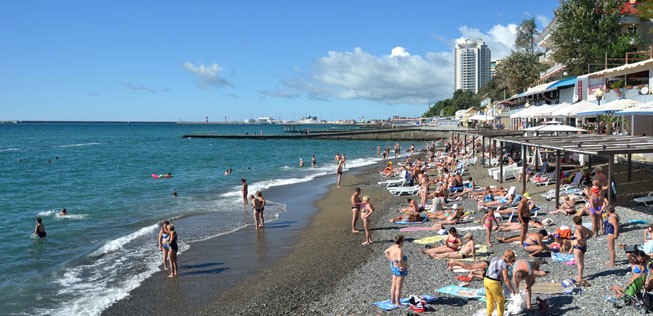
322	268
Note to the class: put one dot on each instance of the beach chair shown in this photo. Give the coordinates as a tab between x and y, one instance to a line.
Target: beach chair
393	183
646	200
397	191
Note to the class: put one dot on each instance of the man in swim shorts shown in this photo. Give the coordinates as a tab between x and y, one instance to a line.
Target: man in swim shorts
39	230
244	191
524	216
355	209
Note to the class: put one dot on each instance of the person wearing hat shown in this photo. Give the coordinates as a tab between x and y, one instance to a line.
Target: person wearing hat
596	206
388	171
524	214
468	250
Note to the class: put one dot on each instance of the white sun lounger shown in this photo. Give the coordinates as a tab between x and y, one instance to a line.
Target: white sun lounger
645	199
404	190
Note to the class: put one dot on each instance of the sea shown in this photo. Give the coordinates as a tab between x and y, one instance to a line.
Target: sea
102	174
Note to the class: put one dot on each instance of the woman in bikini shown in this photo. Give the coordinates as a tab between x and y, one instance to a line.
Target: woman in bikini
468	250
398	267
580	247
453	218
163	243
488	222
533	243
366	211
639	263
451	244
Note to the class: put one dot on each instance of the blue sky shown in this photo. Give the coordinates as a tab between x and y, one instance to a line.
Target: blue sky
169	61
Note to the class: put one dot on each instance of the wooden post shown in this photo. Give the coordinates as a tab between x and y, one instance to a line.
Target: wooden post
465	148
557	184
523	166
501	164
610	170
482	149
630	167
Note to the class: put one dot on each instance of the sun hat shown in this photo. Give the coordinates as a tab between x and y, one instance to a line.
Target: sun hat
527	196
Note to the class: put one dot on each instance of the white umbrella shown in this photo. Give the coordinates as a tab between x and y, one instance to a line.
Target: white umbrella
571	110
554	128
549	112
551	122
481	117
642	109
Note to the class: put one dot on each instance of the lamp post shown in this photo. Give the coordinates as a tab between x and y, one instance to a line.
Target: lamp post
598	94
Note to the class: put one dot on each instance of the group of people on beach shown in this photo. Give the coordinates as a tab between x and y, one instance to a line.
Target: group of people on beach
506	271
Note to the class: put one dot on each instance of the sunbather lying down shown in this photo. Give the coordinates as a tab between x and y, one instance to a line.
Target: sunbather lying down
477	268
516	226
533	243
410	217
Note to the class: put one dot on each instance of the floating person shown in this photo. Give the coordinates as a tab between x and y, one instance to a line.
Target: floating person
161	176
301	162
174	194
228	171
39	230
63	212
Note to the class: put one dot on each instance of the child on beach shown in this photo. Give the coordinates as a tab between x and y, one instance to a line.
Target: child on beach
366	211
488	221
399	268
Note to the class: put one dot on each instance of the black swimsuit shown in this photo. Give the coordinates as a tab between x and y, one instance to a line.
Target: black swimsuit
173	243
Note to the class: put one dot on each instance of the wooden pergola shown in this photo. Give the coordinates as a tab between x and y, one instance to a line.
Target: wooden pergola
490	134
590	144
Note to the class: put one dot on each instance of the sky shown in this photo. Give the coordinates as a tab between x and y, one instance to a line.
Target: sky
233	60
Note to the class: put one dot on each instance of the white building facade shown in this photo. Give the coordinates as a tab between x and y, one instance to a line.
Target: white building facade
472	63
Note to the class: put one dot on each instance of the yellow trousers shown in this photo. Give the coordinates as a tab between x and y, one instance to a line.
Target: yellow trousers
493	293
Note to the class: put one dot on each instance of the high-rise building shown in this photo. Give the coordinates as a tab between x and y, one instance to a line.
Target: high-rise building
472	61
493	68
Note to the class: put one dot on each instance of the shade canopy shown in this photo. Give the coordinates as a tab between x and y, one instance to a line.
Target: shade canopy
531	112
549	112
554	128
642	109
611	107
481	117
573	109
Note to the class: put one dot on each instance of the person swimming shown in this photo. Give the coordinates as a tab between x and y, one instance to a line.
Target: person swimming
63	212
39	230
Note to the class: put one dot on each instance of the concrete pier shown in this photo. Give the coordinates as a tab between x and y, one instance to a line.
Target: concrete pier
395	134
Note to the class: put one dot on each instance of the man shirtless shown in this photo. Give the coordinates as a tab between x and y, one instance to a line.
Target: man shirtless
524	214
244	191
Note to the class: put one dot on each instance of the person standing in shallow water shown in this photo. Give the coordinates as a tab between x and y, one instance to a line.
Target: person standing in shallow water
339	173
355	209
259	196
39	230
244	191
163	243
172	253
257	206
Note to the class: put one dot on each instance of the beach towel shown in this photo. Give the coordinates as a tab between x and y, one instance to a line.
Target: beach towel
638	221
459	291
562	257
416	228
387	306
464	229
429	240
545	288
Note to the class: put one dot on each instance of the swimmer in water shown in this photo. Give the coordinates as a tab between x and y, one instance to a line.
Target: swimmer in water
39	230
167	175
63	212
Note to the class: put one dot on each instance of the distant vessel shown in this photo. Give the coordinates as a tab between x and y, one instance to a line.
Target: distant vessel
307	119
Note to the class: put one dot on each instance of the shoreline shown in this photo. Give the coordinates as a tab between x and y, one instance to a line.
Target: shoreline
214	267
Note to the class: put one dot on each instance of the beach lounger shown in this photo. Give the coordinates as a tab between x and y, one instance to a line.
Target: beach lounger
646	200
397	191
393	183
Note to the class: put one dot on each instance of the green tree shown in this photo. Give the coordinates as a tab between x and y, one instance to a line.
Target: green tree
525	39
519	70
587	30
448	107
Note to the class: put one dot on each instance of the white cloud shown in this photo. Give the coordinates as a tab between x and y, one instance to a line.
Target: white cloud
543	21
397	78
207	77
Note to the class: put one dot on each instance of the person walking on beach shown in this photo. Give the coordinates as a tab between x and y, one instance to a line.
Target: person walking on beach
259	196
244	191
39	230
339	173
497	272
524	214
580	247
398	267
256	208
366	210
172	252
611	229
163	243
355	209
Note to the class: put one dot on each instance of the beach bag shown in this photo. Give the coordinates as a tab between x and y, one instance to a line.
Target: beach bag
518	303
418	304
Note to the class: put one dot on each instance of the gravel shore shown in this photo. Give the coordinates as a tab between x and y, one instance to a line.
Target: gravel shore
370	282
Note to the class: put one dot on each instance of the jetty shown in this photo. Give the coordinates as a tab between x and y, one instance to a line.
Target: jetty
403	134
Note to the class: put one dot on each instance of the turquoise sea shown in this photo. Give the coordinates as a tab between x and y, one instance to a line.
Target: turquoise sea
101	173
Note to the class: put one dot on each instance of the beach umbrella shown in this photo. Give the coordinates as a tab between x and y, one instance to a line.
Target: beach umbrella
551	122
572	109
549	112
